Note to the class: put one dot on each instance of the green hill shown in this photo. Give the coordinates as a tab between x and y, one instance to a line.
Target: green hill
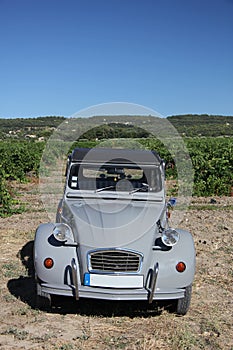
203	125
189	125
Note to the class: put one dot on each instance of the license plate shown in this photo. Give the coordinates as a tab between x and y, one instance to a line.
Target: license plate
113	281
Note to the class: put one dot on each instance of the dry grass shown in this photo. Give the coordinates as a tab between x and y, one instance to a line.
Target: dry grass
106	325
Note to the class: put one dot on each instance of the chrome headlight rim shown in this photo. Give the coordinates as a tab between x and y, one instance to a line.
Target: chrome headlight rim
170	237
62	232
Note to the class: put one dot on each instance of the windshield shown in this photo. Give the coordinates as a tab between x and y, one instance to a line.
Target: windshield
109	177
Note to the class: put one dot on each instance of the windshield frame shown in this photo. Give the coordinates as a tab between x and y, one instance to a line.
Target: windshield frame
150	181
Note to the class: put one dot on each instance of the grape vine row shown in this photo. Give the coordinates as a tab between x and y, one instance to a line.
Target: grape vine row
212	160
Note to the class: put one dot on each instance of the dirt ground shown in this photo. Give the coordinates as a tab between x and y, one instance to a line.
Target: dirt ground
119	325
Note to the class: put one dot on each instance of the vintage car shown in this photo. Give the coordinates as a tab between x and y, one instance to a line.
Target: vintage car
111	239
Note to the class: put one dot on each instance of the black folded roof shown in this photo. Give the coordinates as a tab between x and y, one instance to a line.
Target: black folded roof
115	155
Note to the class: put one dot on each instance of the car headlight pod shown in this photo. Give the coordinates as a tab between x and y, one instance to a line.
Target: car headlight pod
170	237
62	232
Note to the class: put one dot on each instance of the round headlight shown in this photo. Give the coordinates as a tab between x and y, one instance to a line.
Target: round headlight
170	237
62	232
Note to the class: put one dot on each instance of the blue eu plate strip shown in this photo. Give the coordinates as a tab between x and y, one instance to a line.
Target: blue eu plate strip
86	279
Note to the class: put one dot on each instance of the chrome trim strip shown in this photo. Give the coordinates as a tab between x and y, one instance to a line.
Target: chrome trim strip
101	195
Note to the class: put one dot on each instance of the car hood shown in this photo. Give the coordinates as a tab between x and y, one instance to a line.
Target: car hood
113	222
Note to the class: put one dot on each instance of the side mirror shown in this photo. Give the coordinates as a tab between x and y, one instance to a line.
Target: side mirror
171	203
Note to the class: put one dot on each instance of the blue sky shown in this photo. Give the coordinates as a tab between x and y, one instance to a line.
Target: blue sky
61	56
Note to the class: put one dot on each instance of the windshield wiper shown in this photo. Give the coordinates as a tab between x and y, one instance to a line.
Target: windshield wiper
104	188
144	186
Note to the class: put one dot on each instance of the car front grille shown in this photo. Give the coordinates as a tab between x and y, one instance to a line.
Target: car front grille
114	261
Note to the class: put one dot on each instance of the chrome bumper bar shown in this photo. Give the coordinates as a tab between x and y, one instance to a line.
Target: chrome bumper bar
152	282
75	279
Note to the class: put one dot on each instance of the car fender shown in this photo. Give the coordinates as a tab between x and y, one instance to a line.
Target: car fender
46	246
183	251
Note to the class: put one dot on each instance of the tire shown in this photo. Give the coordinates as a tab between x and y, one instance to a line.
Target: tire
43	300
183	304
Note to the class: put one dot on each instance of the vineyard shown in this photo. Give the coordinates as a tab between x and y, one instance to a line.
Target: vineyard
212	160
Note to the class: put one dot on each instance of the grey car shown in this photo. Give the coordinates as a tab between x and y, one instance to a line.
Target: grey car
111	239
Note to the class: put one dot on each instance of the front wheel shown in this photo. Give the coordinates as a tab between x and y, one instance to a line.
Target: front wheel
183	304
43	300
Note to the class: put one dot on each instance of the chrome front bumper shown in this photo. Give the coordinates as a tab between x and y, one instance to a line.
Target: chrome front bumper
150	292
113	294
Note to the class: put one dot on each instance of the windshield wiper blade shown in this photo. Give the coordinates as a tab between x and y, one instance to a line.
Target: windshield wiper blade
144	186
104	188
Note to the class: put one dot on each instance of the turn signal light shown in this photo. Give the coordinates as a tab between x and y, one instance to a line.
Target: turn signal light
181	267
48	263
